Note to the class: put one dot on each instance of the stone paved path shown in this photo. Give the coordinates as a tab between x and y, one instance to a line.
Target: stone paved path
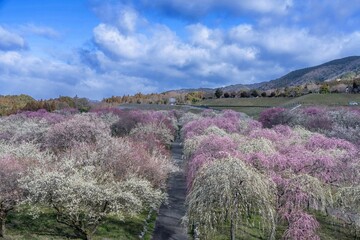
168	223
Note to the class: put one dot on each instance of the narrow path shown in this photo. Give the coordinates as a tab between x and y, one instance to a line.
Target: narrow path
168	223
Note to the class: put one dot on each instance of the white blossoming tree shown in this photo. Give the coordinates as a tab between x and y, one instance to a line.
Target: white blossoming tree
14	161
348	199
83	196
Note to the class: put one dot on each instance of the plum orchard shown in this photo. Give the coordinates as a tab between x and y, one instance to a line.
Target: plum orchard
83	196
341	123
77	167
239	171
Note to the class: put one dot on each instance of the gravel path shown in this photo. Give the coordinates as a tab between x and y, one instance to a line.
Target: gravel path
168	223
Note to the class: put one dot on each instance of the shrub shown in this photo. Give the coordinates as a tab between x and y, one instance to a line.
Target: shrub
154	133
273	116
130	119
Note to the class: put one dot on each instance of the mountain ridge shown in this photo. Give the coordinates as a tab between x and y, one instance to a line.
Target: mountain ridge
334	69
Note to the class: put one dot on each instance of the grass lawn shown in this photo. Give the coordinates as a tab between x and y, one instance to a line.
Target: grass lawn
241	102
21	226
254	106
334	99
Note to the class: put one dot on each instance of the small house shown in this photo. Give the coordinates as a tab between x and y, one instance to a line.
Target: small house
172	101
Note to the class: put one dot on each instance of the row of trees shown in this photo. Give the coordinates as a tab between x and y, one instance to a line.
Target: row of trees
196	96
240	173
60	103
79	168
341	123
296	91
161	98
16	103
11	104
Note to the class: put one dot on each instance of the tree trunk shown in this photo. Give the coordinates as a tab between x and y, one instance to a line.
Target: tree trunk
232	230
2	228
273	227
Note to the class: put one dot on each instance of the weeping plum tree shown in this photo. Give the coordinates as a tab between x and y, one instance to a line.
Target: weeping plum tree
228	190
83	196
212	147
348	199
296	195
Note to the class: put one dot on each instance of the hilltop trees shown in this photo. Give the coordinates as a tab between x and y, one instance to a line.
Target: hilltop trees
324	88
218	93
11	104
194	97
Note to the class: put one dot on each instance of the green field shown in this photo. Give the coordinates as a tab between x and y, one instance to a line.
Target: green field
335	99
330	229
159	107
253	106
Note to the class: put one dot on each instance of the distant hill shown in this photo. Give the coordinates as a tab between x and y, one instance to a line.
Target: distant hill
187	90
344	68
231	88
339	68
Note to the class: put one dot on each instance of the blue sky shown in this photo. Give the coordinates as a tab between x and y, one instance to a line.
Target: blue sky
100	48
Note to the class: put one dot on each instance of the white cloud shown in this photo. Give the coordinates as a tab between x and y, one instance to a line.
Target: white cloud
44	31
308	48
118	14
10	40
203	36
165	57
243	33
298	44
128	19
111	40
199	8
263	6
234	53
26	65
44	78
9	58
